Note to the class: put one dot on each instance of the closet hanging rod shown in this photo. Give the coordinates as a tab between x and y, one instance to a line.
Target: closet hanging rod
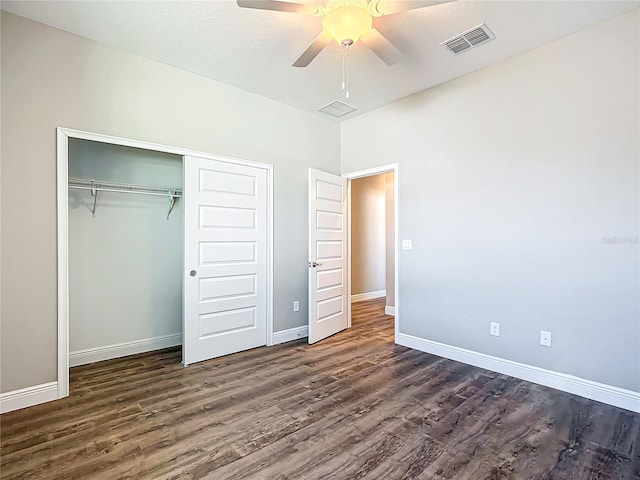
139	192
96	186
93	185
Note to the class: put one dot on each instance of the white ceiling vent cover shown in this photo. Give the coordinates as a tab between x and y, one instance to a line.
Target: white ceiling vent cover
338	109
469	39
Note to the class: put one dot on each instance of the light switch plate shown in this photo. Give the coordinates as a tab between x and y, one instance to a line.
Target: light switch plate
406	245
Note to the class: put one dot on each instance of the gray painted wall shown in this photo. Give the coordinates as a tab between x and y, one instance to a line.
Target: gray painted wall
125	264
519	186
51	78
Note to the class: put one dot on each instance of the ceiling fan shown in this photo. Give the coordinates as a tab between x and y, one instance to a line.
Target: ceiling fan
346	22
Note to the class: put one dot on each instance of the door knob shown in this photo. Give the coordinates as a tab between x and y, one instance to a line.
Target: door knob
192	273
314	264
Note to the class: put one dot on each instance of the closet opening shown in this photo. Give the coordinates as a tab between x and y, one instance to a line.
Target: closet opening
125	250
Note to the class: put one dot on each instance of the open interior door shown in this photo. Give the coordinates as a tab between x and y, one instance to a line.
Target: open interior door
225	251
328	288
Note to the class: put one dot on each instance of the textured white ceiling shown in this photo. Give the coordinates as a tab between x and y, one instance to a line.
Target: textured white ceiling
254	49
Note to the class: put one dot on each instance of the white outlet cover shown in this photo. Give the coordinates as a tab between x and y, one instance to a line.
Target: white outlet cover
495	329
407	245
296	306
545	338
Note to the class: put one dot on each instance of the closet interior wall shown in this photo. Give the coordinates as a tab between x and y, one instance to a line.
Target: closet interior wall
125	263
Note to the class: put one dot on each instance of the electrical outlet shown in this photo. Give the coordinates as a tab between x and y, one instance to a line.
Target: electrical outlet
407	245
495	329
296	306
545	338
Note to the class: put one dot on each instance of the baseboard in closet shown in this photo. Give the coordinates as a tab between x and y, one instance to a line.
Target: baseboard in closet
290	334
91	355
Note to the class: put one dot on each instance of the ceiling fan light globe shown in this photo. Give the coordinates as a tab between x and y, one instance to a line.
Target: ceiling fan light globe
348	22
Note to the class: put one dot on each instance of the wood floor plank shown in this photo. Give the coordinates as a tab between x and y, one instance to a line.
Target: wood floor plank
354	406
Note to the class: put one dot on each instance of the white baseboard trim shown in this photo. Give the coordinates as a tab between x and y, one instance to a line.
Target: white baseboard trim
90	355
618	397
390	310
290	334
27	397
360	297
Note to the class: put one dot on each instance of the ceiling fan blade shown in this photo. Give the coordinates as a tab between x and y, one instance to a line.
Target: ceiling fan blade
381	47
388	7
312	50
281	6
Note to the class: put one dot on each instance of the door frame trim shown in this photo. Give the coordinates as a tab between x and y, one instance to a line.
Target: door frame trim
62	200
369	172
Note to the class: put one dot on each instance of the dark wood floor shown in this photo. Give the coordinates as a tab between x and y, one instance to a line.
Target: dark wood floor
354	406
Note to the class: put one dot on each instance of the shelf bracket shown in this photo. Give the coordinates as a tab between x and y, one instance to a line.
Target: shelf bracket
94	194
172	202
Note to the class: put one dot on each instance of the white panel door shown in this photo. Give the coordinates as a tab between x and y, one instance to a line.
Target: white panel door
225	245
328	294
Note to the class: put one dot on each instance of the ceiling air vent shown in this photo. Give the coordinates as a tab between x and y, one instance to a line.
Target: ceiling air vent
469	39
338	109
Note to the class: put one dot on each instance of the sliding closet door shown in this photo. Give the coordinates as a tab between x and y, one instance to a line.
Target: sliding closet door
226	247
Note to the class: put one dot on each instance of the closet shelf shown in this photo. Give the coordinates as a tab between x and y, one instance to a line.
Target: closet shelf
96	186
87	184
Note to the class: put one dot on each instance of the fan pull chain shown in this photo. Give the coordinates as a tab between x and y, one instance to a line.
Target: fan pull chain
345	67
347	93
344	48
